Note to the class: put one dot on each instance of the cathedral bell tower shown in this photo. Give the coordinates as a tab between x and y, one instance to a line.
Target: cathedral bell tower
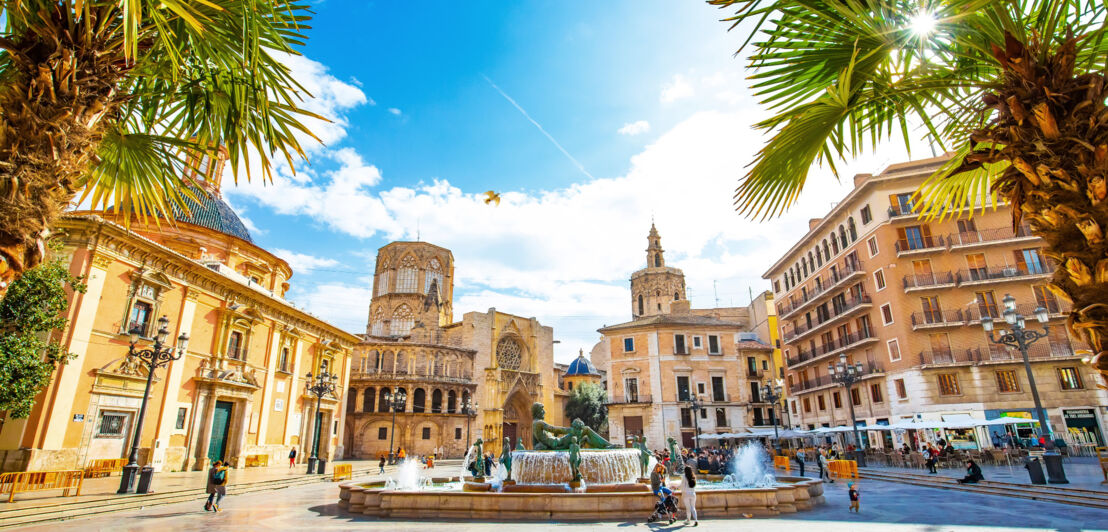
655	287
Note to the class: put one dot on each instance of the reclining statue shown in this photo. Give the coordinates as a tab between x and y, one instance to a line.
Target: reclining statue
547	437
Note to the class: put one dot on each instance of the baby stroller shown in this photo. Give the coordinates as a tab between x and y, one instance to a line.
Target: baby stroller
666	506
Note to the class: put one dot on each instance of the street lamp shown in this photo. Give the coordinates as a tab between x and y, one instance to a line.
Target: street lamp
846	375
324	385
395	400
1022	338
157	356
469	408
695	406
772	394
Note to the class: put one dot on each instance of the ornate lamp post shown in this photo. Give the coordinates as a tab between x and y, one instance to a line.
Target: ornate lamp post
469	408
772	394
695	407
846	375
1022	338
324	385
396	400
157	356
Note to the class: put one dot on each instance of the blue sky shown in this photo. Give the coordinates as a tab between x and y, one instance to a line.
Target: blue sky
627	110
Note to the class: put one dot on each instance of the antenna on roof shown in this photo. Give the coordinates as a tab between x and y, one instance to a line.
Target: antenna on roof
417	229
715	293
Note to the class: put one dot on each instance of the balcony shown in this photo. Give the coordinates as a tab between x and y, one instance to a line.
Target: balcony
374	374
898	212
1043	349
980	276
920	246
990	236
929	281
843	343
935	319
871	369
846	271
948	357
1055	309
630	399
755	373
837	312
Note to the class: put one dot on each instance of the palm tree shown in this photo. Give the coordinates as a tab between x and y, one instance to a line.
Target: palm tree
1015	88
117	99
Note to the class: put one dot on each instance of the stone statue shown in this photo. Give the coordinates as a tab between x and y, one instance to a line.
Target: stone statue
575	458
644	455
547	437
506	456
479	460
519	444
674	456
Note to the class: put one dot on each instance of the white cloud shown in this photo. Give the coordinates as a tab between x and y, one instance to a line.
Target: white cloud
394	111
303	263
635	128
677	89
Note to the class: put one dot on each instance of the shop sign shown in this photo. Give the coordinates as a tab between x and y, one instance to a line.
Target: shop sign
1078	414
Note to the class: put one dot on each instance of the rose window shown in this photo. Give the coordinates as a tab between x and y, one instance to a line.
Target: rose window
508	354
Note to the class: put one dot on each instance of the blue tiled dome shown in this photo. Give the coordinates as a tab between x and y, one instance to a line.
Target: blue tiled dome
581	366
212	212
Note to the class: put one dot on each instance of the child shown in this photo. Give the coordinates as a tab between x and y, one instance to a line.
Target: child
854	497
381	465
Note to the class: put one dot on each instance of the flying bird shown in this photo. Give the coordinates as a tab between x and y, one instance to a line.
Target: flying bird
492	197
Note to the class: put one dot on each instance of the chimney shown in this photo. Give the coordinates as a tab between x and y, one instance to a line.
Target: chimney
813	222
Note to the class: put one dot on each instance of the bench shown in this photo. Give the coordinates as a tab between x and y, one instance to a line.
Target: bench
27	481
257	460
342	471
104	467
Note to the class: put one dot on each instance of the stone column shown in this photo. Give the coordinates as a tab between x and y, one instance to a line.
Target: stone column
204	435
272	357
174	374
294	401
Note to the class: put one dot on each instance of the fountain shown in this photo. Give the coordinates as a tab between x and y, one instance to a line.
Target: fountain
572	473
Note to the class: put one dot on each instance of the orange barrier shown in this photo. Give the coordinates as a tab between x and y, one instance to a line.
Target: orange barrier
842	468
782	462
257	460
342	471
27	481
104	467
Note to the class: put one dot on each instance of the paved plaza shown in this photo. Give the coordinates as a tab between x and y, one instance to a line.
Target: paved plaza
885	506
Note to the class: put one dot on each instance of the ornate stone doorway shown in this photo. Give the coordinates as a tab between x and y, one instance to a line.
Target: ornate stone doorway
517	419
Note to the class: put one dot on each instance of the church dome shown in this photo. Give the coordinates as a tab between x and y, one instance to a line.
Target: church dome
209	210
581	366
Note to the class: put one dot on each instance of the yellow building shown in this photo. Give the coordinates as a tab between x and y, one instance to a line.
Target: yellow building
237	392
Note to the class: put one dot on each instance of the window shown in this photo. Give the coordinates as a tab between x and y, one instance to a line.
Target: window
807	405
875	393
278	405
700	388
1006	381
872	243
821	403
776	286
932	313
1029	261
718	392
887	314
182	416
901	391
383	283
640	305
457	433
283	363
383	433
696	342
867	215
721	417
426	433
686	418
631	390
683	389
406	276
433	275
978	268
713	344
628	345
986	304
679	345
140	318
1045	298
234	345
792	405
914	237
901	204
855	396
402	321
948	384
1070	378
112	424
837	400
967	226
879	279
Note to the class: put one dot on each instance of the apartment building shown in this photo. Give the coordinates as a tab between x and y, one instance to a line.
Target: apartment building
905	297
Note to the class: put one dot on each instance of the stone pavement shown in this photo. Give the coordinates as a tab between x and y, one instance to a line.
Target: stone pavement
885	507
1082	472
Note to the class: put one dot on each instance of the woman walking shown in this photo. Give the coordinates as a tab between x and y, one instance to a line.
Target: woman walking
688	495
217	486
292	457
824	468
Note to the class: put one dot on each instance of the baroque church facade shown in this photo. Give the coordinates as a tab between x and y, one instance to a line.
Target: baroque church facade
498	363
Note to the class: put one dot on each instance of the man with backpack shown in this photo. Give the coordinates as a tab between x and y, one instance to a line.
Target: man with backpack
217	486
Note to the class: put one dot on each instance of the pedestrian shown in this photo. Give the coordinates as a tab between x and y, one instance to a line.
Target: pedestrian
292	457
688	495
824	469
431	462
217	486
932	456
799	456
852	490
401	455
973	473
381	465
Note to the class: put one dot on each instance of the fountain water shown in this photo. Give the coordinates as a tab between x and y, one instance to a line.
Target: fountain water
407	477
598	466
750	467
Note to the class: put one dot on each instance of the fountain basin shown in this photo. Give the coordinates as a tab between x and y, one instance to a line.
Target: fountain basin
598	466
790	494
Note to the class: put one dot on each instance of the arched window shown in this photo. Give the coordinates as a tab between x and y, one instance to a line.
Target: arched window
420	367
405	393
407	275
367	399
373	362
383	283
451	402
383	400
387	365
402	321
438	365
657	261
352	400
401	362
419	397
378	323
853	229
436	402
842	237
508	353
433	274
826	250
640	305
819	257
465	396
834	243
676	296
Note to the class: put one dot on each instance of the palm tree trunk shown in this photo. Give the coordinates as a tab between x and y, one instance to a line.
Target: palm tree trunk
60	84
1052	126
